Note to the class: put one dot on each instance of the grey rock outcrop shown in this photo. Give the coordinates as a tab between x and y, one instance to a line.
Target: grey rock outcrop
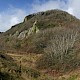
23	34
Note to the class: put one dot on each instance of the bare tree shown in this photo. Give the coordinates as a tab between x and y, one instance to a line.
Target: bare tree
59	46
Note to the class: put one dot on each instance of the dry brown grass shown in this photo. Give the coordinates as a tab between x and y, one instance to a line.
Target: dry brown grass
28	60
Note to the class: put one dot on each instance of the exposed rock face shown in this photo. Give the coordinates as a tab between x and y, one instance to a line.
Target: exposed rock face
25	19
23	34
34	29
16	34
29	17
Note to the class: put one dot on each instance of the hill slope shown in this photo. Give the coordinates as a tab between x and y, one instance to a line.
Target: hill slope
36	23
53	40
52	18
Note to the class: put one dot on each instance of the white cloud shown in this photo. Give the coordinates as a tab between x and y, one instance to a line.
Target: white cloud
70	10
75	5
51	4
71	6
11	17
14	20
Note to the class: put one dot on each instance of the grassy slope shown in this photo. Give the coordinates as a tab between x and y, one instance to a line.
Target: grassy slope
28	61
8	68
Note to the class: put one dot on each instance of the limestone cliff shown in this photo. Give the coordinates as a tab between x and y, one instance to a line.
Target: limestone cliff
26	33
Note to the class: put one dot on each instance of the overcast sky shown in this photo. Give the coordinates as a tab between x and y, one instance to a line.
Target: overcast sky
14	11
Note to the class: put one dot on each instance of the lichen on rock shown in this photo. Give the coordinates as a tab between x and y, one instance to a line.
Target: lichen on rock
26	33
33	29
16	34
23	34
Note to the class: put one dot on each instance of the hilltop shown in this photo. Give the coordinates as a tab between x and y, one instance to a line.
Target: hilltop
47	19
35	23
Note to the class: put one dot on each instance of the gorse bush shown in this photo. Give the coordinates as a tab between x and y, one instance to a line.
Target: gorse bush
8	68
6	76
60	53
32	73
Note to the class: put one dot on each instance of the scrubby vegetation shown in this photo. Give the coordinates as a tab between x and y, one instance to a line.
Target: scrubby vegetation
46	46
8	68
60	53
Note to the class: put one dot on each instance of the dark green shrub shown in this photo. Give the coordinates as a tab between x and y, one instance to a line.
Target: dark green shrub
32	73
17	45
6	76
